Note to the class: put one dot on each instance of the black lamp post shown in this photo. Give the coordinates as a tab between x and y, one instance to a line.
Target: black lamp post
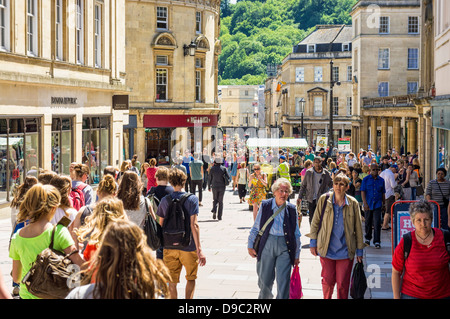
190	49
332	83
302	112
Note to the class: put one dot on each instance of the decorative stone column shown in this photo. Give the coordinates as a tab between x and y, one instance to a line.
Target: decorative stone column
384	135
396	134
373	133
412	135
364	133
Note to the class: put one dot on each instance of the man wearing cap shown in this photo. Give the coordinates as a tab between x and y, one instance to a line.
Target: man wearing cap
283	169
389	184
317	181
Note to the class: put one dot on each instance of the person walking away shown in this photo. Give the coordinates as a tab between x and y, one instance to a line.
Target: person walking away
189	257
151	171
160	191
257	183
317	181
373	195
217	181
438	190
144	178
130	192
39	207
206	163
79	176
108	210
422	273
242	179
196	174
233	172
280	244
186	160
389	184
123	251
337	237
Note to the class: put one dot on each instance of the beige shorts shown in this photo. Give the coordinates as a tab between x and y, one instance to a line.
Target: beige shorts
175	259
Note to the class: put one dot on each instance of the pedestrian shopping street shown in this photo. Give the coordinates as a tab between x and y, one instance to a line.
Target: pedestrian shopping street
230	273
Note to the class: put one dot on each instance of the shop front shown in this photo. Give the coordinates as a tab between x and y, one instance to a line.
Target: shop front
441	123
165	135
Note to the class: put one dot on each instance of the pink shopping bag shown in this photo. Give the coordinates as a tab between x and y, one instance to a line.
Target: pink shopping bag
295	291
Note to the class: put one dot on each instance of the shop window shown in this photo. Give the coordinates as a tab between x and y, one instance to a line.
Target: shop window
96	148
61	145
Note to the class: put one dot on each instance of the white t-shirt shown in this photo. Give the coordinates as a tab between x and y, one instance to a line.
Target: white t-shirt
71	212
389	182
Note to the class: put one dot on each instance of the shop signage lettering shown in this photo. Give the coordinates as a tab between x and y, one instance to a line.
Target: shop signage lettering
199	119
64	100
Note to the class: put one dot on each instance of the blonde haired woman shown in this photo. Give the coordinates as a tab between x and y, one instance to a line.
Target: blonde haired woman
108	210
123	267
107	187
39	207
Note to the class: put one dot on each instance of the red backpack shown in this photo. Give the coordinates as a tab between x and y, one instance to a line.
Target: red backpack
76	196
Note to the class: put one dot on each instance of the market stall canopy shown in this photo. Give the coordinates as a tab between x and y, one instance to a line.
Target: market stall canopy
291	143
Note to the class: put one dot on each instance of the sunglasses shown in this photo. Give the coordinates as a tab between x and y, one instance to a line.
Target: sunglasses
256	169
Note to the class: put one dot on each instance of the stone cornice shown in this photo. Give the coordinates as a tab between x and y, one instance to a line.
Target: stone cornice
212	4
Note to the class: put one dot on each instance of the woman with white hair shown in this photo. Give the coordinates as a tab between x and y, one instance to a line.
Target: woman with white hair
279	244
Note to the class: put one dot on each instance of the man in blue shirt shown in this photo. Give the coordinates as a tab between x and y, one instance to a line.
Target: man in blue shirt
373	196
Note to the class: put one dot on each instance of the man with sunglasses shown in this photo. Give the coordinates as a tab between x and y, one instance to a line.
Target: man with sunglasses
373	195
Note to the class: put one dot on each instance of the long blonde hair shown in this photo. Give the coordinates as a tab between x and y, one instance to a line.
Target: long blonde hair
40	200
124	268
108	210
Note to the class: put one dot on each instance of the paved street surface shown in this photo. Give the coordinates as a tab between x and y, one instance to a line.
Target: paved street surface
230	273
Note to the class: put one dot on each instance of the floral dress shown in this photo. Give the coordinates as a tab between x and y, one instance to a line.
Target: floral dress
257	192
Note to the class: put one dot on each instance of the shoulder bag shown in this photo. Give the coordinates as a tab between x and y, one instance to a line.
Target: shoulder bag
152	230
50	276
445	199
263	229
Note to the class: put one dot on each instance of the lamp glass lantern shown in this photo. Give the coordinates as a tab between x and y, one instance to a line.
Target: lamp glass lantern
190	49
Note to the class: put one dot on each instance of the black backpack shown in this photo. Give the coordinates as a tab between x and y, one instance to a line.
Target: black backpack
407	241
176	227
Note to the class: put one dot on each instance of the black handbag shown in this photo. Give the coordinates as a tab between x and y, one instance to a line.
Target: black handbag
358	284
257	241
152	230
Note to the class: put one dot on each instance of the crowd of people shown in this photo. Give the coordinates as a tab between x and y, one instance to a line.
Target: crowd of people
343	192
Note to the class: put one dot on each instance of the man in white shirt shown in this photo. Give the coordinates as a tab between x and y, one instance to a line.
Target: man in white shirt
389	183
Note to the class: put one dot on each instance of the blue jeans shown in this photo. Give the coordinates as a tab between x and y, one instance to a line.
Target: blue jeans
274	264
373	218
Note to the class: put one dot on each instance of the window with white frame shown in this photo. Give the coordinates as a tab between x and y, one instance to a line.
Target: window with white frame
310	48
59	29
349	105
5	26
413	58
335	106
413	87
335	73
383	89
384	27
318	77
318	106
413	25
79	31
32	27
299	74
346	46
161	84
98	35
349	73
383	59
198	22
162	18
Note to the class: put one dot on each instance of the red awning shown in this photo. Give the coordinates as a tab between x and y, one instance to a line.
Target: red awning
151	121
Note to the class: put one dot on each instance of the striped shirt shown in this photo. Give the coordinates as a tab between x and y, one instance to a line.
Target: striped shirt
426	269
437	191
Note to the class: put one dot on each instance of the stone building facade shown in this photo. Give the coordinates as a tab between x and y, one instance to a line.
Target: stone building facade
63	95
386	69
172	51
